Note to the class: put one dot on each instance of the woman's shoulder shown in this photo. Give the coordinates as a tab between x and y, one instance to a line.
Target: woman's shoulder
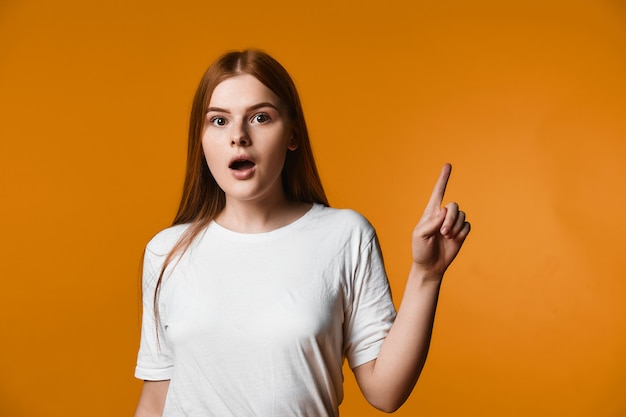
343	214
344	218
164	241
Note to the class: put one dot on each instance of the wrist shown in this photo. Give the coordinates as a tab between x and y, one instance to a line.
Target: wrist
424	276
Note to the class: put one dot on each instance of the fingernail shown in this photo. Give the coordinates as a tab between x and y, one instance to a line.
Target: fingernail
444	231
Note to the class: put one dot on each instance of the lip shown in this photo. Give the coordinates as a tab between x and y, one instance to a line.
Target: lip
242	174
241	157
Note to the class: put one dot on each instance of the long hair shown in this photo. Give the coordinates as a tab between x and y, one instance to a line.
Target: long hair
202	199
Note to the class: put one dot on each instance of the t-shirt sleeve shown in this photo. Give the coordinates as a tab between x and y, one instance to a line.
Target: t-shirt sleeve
154	361
369	311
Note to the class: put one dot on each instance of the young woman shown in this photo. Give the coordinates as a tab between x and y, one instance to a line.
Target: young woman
257	293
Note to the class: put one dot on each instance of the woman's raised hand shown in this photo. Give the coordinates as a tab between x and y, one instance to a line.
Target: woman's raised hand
440	233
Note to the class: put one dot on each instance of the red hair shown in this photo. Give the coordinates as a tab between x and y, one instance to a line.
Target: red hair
202	199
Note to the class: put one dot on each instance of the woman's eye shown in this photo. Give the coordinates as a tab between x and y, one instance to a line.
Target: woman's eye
218	121
260	118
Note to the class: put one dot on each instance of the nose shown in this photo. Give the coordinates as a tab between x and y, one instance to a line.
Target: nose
240	140
240	136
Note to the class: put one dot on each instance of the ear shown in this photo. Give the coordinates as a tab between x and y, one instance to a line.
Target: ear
293	142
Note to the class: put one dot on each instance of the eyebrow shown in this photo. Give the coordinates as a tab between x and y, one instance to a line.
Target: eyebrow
253	107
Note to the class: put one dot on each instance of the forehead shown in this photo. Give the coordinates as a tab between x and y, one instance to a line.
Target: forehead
242	91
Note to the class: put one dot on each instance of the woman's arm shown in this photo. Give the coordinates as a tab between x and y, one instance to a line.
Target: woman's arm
387	381
152	399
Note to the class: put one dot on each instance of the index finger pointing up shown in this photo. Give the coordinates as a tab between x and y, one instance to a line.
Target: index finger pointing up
440	189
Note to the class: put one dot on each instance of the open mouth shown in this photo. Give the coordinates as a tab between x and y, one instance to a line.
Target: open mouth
241	164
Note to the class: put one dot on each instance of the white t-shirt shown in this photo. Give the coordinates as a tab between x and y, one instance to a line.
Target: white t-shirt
259	324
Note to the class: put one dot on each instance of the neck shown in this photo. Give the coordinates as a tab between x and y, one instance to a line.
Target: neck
260	216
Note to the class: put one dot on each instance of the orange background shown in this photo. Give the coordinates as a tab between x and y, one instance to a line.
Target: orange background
526	99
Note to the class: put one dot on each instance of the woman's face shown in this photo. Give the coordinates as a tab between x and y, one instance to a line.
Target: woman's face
245	138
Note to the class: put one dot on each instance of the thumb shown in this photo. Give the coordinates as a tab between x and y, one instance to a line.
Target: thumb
431	225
